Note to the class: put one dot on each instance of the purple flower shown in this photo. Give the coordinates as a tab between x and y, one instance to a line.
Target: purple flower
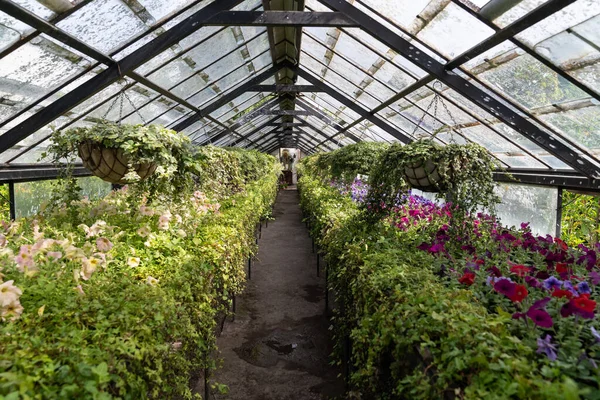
531	281
552	283
494	271
569	286
545	346
519	315
540	318
584	288
595	334
505	286
595	277
540	304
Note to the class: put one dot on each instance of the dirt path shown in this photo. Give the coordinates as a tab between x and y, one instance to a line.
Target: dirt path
278	347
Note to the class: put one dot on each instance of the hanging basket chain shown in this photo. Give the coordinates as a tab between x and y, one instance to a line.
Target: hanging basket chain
437	98
120	98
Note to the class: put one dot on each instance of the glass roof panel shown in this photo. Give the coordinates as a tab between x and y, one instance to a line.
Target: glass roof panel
453	31
530	83
34	70
569	16
104	25
580	125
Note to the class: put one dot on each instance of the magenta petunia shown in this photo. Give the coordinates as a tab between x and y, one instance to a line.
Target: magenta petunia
540	318
505	286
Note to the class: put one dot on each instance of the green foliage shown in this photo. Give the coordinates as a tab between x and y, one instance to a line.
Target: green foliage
120	301
345	163
580	219
466	172
4	203
170	151
413	336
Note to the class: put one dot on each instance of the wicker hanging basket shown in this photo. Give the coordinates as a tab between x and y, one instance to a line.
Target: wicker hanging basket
110	164
424	175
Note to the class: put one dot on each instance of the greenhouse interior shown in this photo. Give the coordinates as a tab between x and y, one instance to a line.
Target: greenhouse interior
299	199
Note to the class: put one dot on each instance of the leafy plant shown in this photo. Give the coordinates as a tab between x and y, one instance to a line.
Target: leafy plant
345	163
170	151
466	173
118	299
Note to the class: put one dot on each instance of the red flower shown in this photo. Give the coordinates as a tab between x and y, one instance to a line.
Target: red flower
467	279
562	293
561	267
561	244
520	270
584	303
520	293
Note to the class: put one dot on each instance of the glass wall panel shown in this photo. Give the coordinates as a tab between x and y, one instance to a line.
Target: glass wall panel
31	197
525	203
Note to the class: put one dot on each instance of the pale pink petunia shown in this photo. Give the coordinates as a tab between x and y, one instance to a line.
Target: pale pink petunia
9	293
11	311
103	244
57	255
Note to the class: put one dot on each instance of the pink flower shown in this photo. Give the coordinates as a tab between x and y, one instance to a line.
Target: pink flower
57	255
147	211
103	244
25	259
9	293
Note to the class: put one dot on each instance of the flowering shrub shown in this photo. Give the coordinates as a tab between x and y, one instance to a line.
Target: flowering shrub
117	298
434	312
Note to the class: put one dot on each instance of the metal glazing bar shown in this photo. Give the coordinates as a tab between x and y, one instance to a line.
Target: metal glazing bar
533	17
282	18
112	73
471	92
532	53
227	98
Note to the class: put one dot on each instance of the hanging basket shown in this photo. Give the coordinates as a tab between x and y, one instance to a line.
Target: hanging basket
110	164
424	175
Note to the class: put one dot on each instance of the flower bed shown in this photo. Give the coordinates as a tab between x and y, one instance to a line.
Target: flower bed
435	311
117	298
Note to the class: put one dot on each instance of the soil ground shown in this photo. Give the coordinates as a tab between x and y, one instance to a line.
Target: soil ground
278	347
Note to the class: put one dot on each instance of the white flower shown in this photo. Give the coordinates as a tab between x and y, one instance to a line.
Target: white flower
89	266
57	255
147	211
103	244
181	233
11	311
133	261
144	231
2	240
9	293
151	281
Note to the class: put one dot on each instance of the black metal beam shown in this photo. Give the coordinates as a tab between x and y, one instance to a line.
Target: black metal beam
288	124
533	17
285	88
325	118
36	172
228	97
549	178
246	136
531	52
284	112
351	104
464	87
113	73
282	18
242	121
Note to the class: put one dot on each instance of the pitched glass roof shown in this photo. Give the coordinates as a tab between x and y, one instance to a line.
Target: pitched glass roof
539	62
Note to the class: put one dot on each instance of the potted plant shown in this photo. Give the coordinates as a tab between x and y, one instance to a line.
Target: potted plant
460	173
120	153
